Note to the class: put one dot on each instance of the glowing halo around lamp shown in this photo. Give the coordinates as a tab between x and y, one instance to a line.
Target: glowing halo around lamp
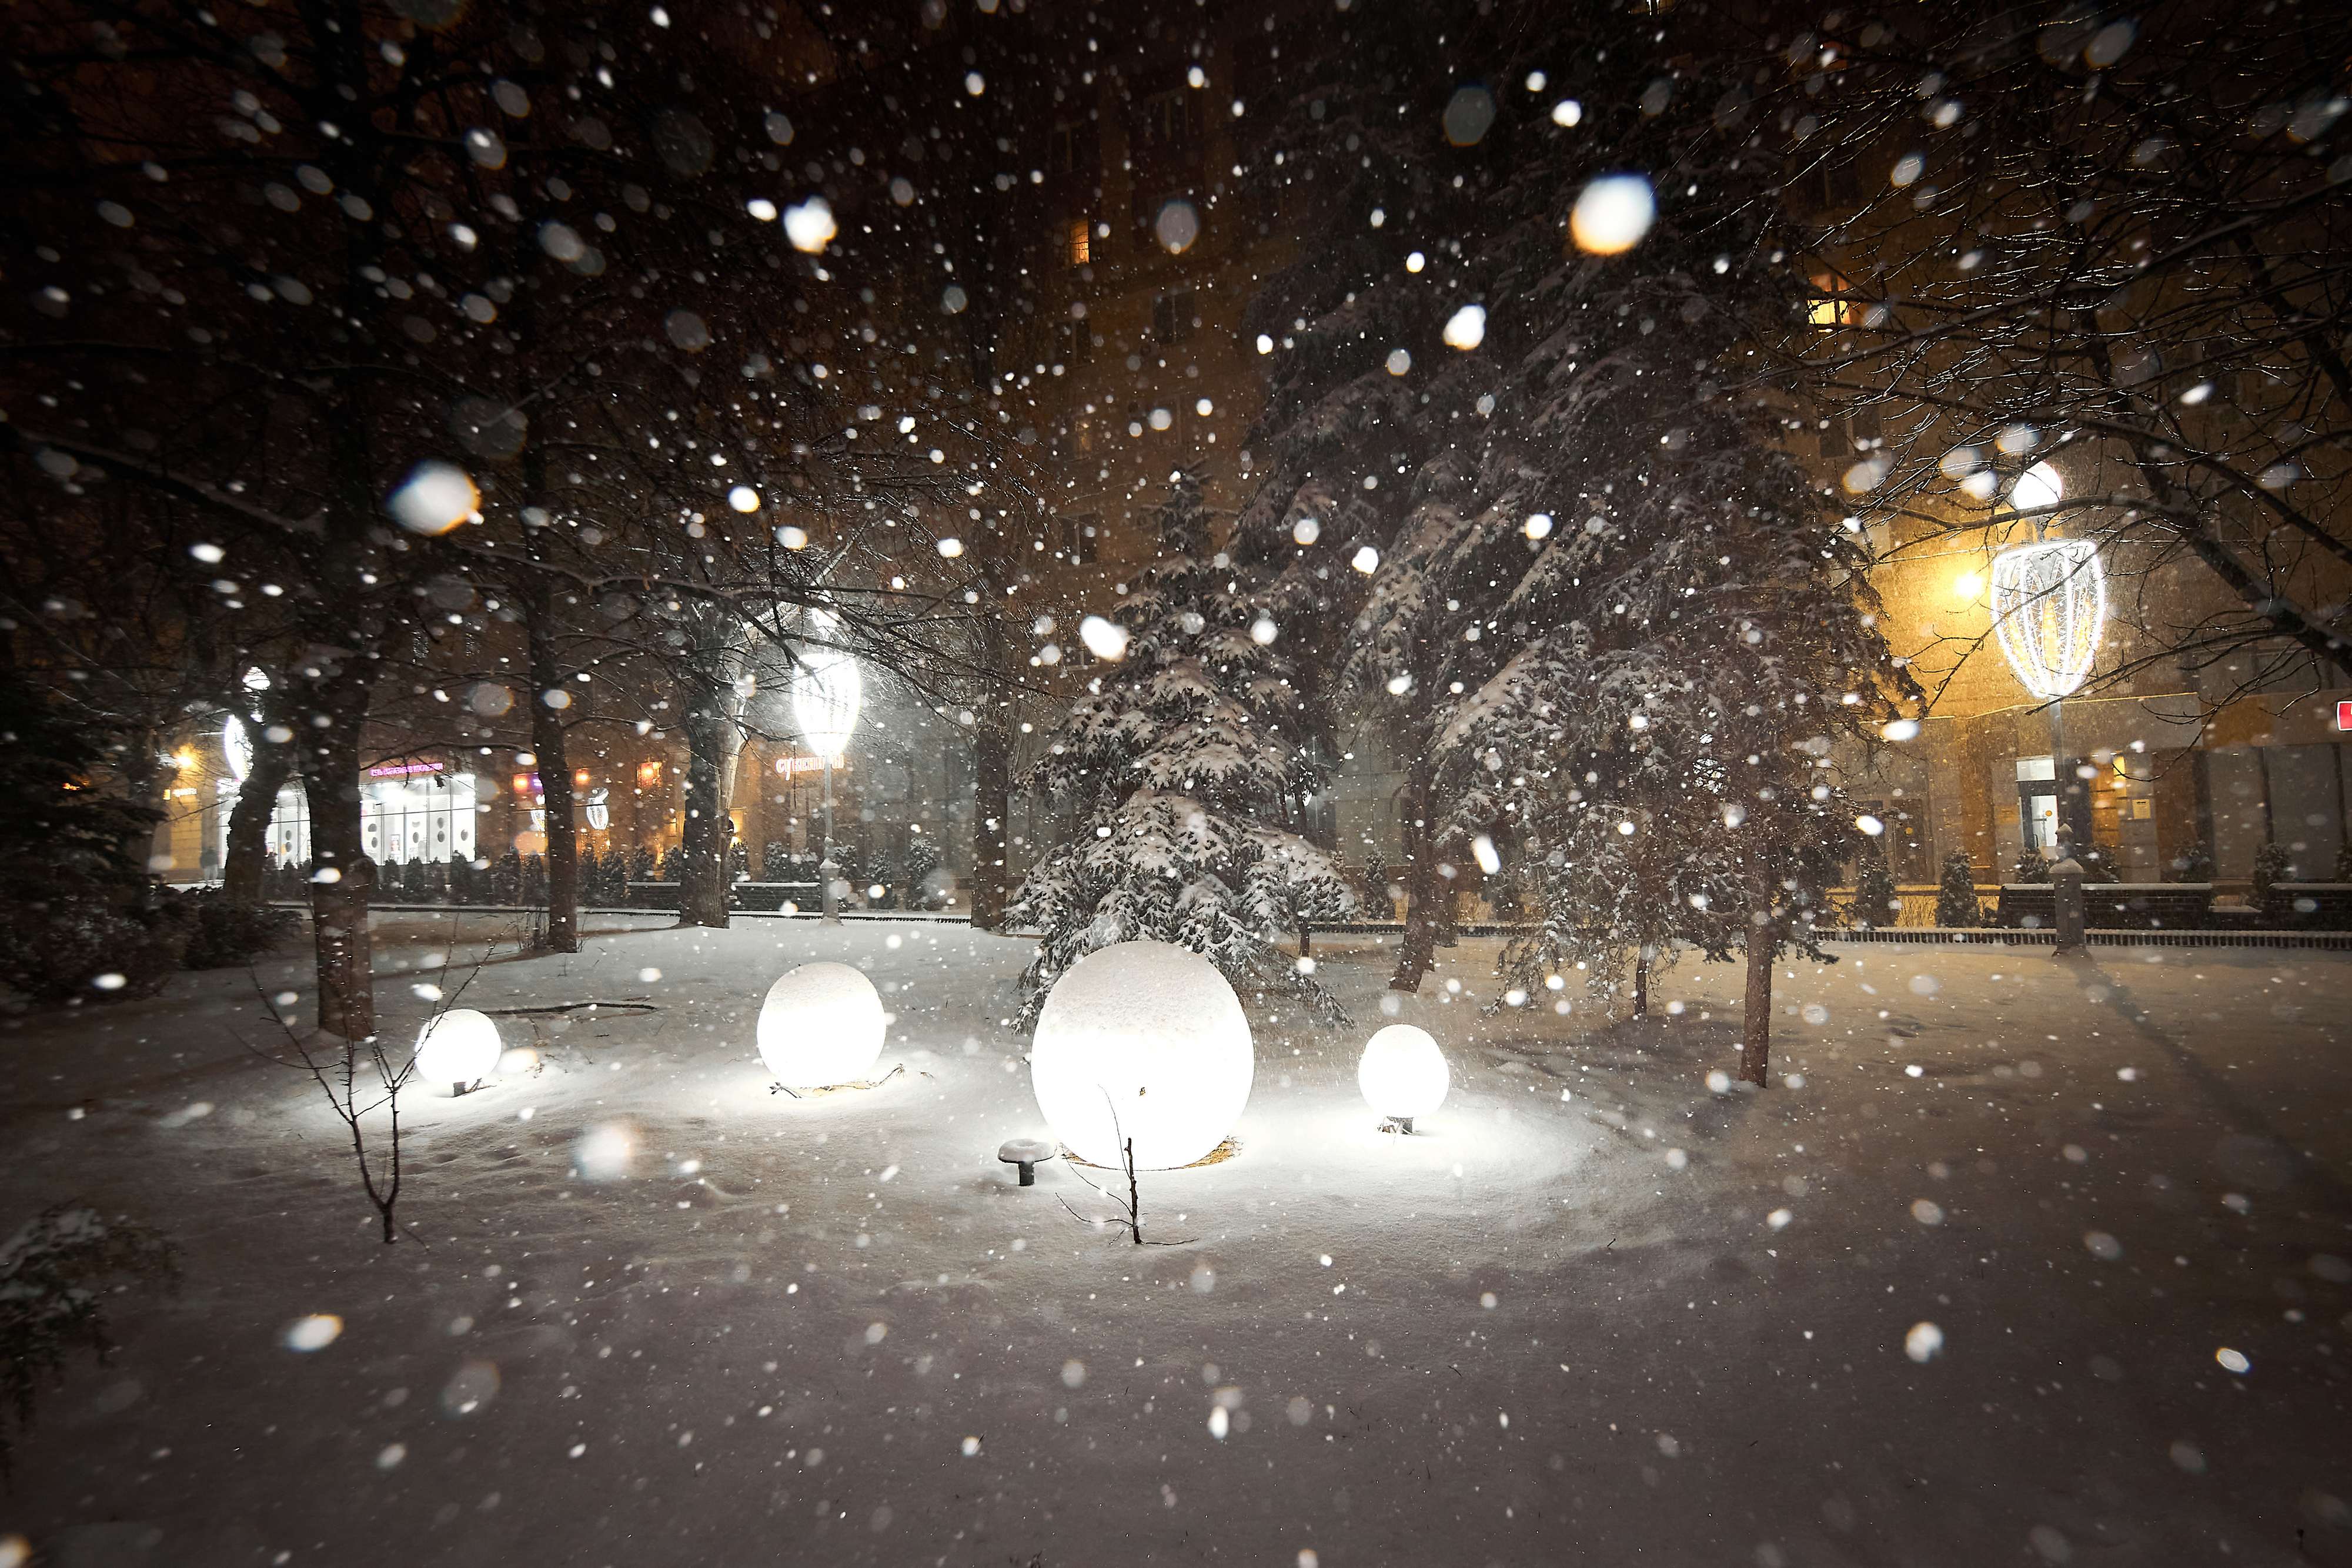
1142	1040
822	1025
2048	599
1402	1073
2037	490
826	689
458	1047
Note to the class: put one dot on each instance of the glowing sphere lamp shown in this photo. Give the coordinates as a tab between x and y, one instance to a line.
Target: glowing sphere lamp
459	1047
1403	1074
1142	1040
822	1025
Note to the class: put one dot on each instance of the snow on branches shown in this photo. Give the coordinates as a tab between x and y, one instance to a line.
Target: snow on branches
1188	768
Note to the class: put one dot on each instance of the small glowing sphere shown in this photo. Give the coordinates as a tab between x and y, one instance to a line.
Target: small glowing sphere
1613	215
434	498
1142	1040
809	225
2037	490
458	1047
1468	328
822	1024
1402	1073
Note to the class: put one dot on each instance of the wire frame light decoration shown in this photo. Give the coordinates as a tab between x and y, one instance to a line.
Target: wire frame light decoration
2048	602
827	688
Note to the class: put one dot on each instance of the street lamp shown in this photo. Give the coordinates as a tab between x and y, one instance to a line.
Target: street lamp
825	690
2048	599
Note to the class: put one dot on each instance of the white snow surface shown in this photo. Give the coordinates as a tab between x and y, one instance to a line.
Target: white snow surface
1591	1311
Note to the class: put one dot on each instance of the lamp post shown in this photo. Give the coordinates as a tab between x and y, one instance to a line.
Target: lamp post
826	691
2048	599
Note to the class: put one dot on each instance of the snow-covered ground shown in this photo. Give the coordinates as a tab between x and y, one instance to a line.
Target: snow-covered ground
1592	1312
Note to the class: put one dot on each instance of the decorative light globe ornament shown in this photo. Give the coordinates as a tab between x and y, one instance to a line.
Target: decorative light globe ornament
1402	1073
1142	1040
826	689
458	1047
2049	598
822	1024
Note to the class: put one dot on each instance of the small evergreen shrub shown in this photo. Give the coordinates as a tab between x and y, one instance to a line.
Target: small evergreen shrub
1955	894
2270	867
57	1274
224	935
54	949
1876	901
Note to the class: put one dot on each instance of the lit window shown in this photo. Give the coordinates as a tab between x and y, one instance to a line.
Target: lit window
1080	242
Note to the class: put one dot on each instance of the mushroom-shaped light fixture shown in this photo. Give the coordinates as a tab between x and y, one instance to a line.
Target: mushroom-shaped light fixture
1027	1153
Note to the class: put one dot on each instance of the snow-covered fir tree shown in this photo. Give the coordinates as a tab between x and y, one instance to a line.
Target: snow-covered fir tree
1481	437
1186	769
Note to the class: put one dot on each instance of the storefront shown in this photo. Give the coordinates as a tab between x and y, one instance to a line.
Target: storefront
412	810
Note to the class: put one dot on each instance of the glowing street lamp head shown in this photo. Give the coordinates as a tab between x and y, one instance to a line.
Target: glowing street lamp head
2037	490
826	689
2048	600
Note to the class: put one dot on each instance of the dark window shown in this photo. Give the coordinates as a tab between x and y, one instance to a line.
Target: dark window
1172	315
1171	119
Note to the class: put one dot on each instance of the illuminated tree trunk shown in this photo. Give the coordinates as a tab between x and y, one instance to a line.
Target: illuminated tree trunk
992	780
1422	887
338	905
712	741
246	855
1756	1020
992	810
547	744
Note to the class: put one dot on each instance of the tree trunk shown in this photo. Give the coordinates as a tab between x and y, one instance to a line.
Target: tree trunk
1756	1019
992	814
702	873
141	772
547	743
246	855
1418	953
1642	987
339	906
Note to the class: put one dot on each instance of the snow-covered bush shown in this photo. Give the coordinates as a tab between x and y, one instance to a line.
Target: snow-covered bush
1956	893
1877	900
775	862
54	949
1186	763
73	903
2271	866
54	1274
926	883
2031	866
221	935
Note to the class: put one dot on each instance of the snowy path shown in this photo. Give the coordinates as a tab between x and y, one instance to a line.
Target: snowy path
1549	1329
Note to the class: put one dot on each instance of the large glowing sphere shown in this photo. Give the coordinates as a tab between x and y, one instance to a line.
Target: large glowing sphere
458	1047
822	1024
1402	1073
1142	1040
